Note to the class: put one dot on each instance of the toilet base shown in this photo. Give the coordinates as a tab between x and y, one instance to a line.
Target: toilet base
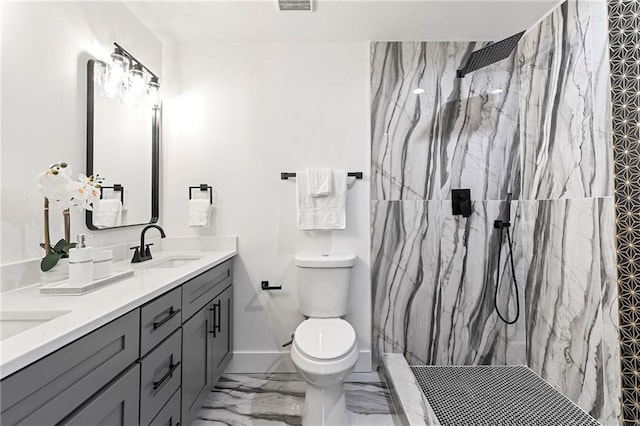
325	406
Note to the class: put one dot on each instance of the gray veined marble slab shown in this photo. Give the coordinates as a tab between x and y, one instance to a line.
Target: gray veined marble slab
457	133
405	261
479	142
434	279
565	276
277	399
600	69
470	332
609	292
563	111
404	126
413	407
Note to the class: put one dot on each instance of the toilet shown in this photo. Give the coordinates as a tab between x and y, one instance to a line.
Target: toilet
324	349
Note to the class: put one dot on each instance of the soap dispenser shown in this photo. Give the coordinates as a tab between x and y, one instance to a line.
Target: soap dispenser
80	263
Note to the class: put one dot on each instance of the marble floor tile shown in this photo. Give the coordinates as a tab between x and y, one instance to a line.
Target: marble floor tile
278	399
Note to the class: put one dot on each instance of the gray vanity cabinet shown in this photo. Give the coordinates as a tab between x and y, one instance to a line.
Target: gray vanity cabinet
117	405
206	336
151	366
54	387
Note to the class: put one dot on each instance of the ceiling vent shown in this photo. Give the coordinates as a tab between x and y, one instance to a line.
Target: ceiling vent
295	5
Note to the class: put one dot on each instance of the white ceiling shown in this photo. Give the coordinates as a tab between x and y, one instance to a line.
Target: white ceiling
339	20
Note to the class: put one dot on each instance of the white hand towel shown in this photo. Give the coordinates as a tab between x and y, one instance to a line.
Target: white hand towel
319	182
322	213
199	210
107	213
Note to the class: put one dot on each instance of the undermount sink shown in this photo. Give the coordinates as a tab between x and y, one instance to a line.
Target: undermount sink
172	262
14	322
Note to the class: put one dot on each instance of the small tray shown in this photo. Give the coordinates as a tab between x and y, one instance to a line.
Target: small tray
64	288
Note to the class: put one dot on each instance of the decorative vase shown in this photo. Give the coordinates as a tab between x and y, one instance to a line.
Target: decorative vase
59	272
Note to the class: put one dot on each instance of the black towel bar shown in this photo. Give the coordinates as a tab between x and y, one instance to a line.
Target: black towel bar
203	187
116	188
287	175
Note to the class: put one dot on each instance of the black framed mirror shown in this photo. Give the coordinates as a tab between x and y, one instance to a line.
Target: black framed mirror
123	146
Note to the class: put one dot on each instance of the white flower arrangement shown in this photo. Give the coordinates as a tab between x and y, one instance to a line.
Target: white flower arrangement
62	192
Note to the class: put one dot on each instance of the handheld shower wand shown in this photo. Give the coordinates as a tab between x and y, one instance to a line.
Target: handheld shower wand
506	224
499	224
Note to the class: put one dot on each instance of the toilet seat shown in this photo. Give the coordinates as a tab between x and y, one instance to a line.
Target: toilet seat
325	339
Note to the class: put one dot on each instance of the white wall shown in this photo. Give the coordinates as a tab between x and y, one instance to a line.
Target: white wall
45	48
240	115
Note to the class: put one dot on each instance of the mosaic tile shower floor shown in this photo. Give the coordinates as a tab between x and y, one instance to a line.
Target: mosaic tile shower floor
277	399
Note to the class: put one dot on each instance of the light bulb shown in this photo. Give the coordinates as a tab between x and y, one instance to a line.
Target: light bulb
115	81
137	85
153	93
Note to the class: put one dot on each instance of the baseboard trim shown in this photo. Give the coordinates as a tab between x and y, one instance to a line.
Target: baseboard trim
279	362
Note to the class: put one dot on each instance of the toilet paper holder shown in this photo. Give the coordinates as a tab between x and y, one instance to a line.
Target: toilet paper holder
265	286
290	341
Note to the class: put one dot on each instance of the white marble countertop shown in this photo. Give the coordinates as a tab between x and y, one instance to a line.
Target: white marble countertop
93	310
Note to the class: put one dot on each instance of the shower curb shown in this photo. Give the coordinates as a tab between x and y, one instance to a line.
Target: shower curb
409	400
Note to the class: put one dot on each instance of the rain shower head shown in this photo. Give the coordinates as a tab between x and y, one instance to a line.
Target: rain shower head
490	54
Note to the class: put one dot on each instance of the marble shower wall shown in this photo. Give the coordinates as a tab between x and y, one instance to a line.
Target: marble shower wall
435	277
571	338
434	274
568	215
459	133
536	125
564	105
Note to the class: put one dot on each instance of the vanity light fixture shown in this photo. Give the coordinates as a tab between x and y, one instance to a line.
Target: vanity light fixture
127	78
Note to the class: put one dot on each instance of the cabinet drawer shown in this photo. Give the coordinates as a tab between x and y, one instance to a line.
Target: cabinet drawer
49	389
159	318
116	405
200	290
161	375
170	413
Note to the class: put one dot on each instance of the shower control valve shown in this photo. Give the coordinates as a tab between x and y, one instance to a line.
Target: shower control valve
499	224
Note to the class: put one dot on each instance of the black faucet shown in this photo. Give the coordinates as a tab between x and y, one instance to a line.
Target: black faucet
143	252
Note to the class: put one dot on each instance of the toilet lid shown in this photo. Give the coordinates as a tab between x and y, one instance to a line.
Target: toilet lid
325	338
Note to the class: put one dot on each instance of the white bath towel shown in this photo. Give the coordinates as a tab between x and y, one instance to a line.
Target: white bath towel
107	213
199	210
319	182
322	213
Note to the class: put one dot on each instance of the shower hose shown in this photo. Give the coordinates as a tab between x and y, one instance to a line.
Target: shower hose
500	225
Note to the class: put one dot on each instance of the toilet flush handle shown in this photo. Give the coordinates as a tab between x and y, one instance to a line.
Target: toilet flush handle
289	342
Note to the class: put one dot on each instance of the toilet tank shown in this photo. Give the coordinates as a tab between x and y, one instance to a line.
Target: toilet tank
323	284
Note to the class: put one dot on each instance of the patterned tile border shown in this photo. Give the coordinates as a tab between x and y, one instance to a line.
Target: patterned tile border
624	47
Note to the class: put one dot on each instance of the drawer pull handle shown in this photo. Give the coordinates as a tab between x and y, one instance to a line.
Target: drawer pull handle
172	314
218	312
157	385
216	318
